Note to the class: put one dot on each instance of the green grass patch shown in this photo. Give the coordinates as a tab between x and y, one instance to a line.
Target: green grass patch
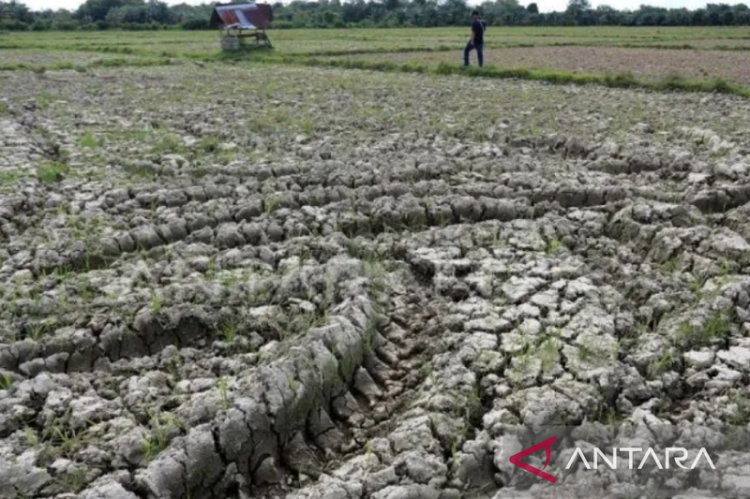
88	140
169	144
131	62
10	177
15	66
52	173
553	246
6	381
209	145
82	68
619	80
716	327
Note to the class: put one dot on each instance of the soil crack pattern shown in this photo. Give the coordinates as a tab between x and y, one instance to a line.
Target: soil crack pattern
354	290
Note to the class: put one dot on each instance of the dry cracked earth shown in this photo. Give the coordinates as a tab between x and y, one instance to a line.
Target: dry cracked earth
279	282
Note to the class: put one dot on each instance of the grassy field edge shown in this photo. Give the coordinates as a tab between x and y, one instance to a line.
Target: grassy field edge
621	80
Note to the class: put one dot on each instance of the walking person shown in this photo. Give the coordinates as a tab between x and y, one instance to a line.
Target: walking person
476	41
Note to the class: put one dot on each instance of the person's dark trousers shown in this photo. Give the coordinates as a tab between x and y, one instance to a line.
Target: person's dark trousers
480	53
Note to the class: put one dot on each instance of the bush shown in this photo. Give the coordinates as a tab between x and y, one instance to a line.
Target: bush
40	26
66	25
98	25
283	24
13	25
149	26
721	86
196	24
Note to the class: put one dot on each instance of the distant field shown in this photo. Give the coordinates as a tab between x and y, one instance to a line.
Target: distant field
315	41
31	58
641	62
649	54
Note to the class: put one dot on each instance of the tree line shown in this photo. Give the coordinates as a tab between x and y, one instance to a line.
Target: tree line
155	14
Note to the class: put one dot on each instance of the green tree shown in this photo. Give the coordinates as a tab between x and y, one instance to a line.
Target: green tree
579	12
16	11
607	16
97	10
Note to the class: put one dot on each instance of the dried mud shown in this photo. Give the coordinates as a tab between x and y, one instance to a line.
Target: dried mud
308	283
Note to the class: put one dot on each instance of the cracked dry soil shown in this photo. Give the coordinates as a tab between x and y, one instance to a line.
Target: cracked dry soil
307	283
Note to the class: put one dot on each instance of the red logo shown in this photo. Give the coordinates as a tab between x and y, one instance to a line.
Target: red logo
516	459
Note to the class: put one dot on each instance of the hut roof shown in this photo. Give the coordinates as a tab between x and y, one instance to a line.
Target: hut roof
243	16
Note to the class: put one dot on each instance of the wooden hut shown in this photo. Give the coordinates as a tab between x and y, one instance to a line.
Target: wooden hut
242	25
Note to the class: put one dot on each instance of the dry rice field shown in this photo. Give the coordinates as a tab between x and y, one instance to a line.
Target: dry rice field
257	276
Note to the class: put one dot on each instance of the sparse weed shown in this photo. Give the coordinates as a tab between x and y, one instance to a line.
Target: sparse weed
229	279
304	322
10	177
229	333
52	173
157	303
596	354
329	293
152	445
585	353
211	268
741	415
696	284
37	331
293	383
63	440
607	415
169	144
362	252
670	266
664	364
497	240
141	171
84	290
271	203
553	246
369	334
88	140
716	327
31	437
224	393
209	145
548	353
173	367
725	269
61	274
158	439
74	481
473	410
642	327
6	381
307	125
455	447
722	278
44	100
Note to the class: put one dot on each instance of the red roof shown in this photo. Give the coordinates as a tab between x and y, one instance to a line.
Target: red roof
243	16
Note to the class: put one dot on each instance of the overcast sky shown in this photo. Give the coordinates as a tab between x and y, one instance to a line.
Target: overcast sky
544	5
